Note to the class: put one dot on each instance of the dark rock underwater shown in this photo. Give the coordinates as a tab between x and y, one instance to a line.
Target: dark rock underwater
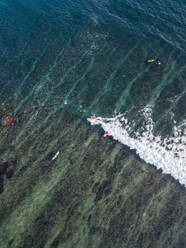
88	196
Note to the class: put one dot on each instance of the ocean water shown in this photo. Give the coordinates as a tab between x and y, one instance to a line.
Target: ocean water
89	58
92	56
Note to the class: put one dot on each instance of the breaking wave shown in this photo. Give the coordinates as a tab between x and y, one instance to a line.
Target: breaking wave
167	154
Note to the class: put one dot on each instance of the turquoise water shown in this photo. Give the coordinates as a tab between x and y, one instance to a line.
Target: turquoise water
92	56
62	61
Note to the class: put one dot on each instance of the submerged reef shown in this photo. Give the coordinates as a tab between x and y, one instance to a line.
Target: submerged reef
96	193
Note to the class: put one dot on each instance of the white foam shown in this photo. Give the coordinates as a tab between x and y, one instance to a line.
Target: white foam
169	154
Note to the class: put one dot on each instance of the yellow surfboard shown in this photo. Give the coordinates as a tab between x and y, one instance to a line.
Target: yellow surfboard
150	60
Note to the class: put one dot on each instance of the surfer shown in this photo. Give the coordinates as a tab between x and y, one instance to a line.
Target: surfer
105	134
158	62
55	156
91	118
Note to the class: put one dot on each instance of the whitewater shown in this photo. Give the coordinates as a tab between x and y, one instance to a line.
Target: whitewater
168	154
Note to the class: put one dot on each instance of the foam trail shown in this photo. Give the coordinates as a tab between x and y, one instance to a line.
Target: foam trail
168	154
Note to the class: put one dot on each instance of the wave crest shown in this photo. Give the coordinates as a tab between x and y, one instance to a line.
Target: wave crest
167	154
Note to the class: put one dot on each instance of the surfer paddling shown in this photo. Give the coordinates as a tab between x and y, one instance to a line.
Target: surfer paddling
55	156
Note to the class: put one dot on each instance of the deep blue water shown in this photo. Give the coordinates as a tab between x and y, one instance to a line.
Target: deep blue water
92	56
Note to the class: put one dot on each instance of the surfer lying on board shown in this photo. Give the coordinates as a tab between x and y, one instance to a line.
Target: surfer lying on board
55	156
157	61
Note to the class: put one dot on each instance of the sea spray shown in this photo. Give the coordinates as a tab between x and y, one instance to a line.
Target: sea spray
167	154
